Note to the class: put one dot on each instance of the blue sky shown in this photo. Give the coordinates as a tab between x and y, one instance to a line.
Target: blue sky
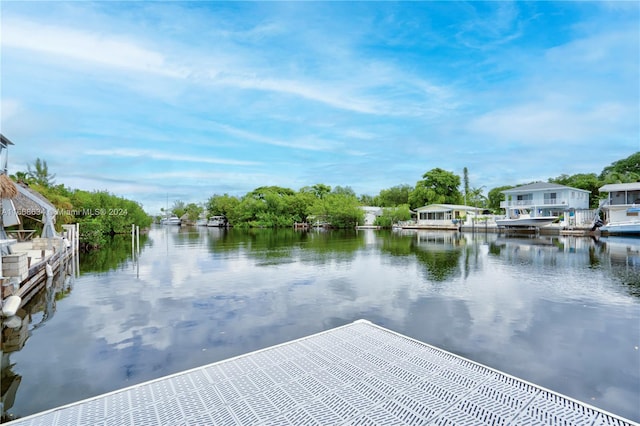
150	100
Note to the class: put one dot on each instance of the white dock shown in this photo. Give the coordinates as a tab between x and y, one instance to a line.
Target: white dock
357	374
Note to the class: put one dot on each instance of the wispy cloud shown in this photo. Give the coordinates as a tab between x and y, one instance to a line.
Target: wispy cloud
9	108
80	47
544	125
489	27
155	155
71	44
369	94
297	143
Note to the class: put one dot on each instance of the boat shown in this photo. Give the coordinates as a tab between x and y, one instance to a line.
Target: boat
621	209
201	222
622	228
521	218
171	220
217	221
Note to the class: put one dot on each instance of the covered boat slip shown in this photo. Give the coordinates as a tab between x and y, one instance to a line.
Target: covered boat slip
357	374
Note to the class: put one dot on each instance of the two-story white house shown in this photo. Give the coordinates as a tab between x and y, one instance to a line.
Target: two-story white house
547	199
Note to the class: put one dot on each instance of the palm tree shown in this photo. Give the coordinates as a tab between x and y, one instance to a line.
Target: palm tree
40	173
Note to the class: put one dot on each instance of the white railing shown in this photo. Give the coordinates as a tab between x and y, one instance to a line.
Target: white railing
531	203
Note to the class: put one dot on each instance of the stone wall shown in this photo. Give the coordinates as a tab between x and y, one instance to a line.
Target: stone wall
43	243
15	265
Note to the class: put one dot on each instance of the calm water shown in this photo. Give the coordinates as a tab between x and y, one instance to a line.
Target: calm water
561	312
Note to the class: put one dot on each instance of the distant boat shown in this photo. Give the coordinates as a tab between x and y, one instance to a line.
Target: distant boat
201	222
217	221
171	220
521	218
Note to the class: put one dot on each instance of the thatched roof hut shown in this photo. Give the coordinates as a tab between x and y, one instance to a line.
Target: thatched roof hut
7	187
32	205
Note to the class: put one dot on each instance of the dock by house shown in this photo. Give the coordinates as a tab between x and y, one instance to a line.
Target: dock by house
25	269
357	374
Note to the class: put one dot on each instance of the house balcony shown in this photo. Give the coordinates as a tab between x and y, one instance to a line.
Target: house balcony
527	204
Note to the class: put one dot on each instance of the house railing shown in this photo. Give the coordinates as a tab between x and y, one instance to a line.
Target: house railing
531	203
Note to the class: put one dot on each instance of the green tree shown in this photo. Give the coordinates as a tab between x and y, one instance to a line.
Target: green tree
267	207
391	215
339	210
622	171
38	172
319	190
193	211
476	198
345	190
178	208
223	205
465	179
299	205
394	196
495	196
367	200
437	187
586	181
21	177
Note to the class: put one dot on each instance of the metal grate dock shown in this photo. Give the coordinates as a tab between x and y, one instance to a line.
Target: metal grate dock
357	374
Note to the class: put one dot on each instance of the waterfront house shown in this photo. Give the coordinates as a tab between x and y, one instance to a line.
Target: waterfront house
371	214
548	199
444	215
622	207
622	193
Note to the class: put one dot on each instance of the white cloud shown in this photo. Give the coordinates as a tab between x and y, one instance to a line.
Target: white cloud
531	123
375	91
312	91
96	47
9	108
604	51
255	137
155	155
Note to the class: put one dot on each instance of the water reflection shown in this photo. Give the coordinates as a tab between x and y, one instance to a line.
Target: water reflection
562	312
17	329
118	252
622	256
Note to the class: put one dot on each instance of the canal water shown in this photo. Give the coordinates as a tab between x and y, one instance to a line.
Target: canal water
561	312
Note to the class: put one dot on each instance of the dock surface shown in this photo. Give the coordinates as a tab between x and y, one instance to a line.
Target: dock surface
357	374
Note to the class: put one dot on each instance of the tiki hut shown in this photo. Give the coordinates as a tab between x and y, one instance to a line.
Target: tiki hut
30	204
8	189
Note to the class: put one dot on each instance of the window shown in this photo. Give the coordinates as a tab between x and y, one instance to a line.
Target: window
550	198
524	199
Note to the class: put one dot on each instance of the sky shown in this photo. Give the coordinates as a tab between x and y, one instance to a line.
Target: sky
162	101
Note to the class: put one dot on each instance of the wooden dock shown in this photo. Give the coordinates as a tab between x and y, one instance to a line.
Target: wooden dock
37	274
28	262
357	374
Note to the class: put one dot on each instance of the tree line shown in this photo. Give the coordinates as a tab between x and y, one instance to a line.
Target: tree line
273	206
279	207
99	213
